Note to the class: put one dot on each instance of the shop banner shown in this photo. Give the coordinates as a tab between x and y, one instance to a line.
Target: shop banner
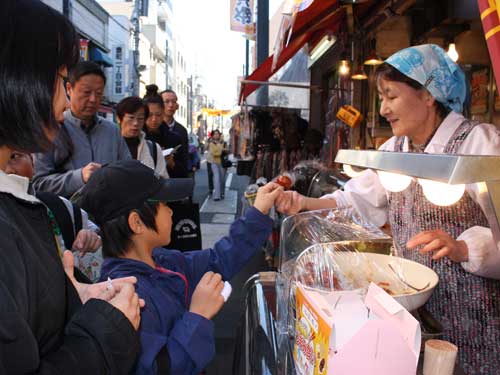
490	18
118	74
84	49
242	16
290	11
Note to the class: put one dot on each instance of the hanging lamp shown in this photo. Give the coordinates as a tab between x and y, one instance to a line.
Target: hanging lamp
359	73
373	59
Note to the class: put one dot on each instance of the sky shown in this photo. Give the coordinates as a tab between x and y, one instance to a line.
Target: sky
216	52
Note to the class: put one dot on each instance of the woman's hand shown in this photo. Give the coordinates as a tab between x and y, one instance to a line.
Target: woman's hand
170	161
120	293
441	244
87	241
207	300
98	290
128	302
290	203
267	196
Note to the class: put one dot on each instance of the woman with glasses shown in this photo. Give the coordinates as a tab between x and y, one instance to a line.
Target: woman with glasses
49	322
132	113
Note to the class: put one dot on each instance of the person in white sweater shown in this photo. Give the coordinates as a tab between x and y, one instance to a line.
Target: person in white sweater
422	93
132	113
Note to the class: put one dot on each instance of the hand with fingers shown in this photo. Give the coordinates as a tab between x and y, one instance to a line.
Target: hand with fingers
88	170
290	203
87	241
98	290
128	302
267	196
121	293
440	244
207	299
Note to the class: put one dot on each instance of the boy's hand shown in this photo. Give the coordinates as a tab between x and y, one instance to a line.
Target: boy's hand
207	300
266	196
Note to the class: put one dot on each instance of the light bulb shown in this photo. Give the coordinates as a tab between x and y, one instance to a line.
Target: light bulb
349	170
452	52
394	182
344	68
440	193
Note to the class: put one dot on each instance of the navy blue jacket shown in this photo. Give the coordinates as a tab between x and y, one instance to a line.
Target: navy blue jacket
166	320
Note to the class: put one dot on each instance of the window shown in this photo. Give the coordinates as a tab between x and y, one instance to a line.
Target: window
118	53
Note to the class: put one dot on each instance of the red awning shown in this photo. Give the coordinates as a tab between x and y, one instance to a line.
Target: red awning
320	16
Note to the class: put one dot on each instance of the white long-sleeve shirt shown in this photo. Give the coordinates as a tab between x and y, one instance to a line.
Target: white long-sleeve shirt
367	196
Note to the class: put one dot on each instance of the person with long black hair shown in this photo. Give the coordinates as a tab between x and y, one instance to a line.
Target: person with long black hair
49	323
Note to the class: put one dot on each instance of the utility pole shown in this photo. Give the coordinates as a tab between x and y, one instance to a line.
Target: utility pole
67	8
136	23
247	56
166	66
190	103
262	44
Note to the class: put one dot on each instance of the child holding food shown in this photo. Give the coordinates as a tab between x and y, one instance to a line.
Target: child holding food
182	291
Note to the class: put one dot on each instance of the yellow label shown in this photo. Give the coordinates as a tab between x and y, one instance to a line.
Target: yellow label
312	338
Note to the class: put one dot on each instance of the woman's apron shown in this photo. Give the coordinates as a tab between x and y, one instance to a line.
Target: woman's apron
468	306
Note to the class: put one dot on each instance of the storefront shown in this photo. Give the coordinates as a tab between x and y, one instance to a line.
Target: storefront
353	37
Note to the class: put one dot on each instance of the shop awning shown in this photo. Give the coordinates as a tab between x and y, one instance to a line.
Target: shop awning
320	16
100	57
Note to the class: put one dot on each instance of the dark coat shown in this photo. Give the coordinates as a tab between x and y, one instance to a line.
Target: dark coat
44	329
169	139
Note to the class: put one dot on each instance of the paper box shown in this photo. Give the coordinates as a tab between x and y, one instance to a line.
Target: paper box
339	333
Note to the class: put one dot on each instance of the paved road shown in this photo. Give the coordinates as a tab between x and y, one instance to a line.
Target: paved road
216	218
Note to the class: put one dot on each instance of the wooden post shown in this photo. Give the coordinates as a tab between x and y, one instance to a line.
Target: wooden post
439	357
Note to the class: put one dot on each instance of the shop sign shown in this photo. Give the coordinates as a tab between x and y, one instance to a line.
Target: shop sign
84	49
118	84
242	16
479	91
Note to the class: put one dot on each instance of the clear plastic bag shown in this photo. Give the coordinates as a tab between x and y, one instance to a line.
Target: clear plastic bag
308	246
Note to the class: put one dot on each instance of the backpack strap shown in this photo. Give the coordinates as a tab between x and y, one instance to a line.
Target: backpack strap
153	150
61	215
77	218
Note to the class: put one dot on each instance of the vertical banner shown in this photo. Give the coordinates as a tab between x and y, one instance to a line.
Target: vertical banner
118	74
84	49
489	10
242	16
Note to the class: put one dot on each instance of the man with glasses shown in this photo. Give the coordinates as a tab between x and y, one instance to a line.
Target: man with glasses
170	101
85	141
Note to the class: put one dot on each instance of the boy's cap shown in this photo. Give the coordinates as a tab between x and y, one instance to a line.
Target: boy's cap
120	187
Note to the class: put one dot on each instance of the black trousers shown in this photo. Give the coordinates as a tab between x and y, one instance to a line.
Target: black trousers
210	178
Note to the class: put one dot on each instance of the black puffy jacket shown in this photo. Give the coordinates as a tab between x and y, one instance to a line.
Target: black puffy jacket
44	329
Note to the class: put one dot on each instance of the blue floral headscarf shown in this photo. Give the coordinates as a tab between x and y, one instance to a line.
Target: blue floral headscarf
431	66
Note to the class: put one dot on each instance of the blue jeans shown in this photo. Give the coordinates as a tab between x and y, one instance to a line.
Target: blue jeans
219	180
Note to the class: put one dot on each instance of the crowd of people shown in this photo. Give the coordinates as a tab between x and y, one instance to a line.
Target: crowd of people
72	182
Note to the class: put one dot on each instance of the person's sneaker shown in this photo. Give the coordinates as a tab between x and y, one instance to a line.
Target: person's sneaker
216	199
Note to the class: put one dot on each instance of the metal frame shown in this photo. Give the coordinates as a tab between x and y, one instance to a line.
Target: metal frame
451	169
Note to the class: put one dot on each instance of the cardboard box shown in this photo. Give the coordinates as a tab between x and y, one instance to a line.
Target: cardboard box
339	333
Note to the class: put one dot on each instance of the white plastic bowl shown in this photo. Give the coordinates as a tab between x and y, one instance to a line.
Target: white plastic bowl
414	274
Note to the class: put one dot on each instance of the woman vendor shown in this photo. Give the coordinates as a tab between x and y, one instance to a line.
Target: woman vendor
422	93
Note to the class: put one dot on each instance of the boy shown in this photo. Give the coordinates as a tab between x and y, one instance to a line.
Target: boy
182	291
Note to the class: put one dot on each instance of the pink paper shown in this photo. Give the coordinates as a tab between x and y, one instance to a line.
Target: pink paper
377	349
402	320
